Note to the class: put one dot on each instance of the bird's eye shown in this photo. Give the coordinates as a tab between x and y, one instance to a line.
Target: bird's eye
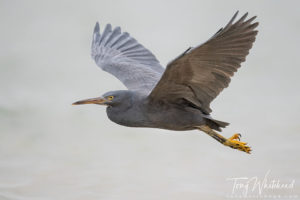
110	98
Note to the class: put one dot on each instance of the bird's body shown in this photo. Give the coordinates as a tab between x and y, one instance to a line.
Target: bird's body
178	97
140	112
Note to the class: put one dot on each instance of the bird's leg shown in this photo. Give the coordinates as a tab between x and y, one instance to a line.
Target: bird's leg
232	142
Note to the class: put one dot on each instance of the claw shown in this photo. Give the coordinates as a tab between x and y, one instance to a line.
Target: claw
239	136
235	143
236	136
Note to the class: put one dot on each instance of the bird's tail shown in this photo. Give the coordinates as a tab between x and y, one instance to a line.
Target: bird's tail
215	124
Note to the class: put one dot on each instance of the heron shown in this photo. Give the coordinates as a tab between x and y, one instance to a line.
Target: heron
178	97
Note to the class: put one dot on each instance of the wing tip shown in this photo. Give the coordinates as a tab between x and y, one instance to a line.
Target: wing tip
251	19
108	26
231	20
97	28
241	20
118	29
245	15
236	13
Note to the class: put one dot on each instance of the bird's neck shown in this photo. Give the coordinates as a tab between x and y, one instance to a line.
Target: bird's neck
131	115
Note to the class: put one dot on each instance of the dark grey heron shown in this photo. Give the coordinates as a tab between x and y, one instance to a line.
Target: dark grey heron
177	98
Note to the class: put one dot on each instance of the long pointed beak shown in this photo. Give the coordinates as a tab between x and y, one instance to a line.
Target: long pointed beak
98	100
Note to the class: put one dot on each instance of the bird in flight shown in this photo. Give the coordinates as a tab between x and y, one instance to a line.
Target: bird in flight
178	97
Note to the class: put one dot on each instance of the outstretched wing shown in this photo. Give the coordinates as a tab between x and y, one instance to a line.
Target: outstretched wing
122	56
199	75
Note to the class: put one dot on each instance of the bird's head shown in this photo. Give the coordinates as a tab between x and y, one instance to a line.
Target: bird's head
112	98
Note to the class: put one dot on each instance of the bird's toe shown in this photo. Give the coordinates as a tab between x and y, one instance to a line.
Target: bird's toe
234	143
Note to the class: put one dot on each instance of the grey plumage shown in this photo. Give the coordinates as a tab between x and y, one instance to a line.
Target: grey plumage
203	72
122	56
178	98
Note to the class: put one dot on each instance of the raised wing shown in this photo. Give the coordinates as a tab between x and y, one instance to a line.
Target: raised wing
199	75
122	56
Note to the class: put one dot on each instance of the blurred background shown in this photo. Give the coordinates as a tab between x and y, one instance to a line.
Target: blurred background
52	150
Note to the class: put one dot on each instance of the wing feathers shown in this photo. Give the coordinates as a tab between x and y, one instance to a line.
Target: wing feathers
105	33
206	69
114	33
121	55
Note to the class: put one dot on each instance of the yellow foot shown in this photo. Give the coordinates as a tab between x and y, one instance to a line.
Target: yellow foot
234	143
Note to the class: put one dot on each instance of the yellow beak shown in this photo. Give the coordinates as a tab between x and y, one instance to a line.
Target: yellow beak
98	100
